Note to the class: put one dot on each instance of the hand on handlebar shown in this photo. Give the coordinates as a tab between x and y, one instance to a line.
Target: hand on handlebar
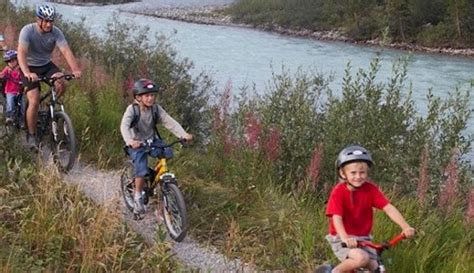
408	232
187	138
135	144
77	73
31	76
349	242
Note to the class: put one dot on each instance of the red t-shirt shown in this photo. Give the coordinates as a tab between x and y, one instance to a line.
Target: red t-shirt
12	80
355	207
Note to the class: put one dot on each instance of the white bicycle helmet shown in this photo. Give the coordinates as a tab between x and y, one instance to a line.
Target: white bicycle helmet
45	12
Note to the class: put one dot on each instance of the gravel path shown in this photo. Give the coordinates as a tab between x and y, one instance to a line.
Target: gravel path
103	188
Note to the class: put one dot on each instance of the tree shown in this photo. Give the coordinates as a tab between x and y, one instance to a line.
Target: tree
457	10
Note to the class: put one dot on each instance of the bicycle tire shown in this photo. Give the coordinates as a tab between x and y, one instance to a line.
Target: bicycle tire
127	185
64	143
174	212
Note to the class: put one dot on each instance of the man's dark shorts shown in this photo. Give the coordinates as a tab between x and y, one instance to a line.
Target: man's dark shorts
46	70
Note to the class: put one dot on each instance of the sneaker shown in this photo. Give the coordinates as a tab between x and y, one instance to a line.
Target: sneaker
32	141
139	204
9	121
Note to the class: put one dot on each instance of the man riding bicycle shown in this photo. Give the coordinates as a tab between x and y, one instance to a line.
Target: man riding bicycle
36	44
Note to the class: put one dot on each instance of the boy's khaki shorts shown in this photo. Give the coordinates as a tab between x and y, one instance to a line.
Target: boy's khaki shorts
342	252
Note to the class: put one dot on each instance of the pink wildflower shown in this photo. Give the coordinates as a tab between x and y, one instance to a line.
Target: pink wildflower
272	145
10	35
253	130
314	168
470	207
100	76
449	190
128	85
424	179
220	124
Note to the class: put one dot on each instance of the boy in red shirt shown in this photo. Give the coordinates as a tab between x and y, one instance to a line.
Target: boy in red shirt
350	208
12	77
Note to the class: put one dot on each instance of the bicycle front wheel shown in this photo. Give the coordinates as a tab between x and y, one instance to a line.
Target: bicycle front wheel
127	185
174	212
63	143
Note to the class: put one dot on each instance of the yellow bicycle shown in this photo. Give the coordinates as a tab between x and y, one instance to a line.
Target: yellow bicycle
159	181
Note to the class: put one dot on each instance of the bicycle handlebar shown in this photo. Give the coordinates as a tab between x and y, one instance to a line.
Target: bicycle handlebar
380	247
150	144
51	80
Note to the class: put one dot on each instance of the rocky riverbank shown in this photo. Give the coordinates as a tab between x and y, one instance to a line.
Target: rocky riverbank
214	15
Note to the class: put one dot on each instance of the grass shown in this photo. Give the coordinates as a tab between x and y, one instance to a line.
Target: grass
277	231
47	225
247	191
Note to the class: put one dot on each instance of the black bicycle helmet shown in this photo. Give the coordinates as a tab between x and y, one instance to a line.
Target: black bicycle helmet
144	86
353	153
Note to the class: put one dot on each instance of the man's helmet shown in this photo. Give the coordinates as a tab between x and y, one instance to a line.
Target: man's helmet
45	12
144	86
353	153
9	55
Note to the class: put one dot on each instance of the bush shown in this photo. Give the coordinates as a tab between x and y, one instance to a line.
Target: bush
380	116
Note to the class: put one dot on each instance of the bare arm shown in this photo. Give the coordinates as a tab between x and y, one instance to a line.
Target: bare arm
397	217
341	231
21	56
71	60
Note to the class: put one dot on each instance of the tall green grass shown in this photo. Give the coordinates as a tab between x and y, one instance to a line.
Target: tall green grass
47	225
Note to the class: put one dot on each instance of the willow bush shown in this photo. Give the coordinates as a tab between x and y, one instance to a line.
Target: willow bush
381	116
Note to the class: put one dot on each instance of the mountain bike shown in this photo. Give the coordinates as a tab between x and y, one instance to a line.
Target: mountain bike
53	121
159	181
379	248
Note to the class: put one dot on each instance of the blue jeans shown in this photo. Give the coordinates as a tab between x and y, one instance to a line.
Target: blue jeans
139	157
11	104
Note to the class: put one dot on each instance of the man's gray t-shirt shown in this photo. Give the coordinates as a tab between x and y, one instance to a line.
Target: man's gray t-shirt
40	45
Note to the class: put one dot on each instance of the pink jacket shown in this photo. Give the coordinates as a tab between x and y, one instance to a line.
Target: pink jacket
12	80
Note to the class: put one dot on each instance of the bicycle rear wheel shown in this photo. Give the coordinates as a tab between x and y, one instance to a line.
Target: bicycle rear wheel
174	212
63	143
127	185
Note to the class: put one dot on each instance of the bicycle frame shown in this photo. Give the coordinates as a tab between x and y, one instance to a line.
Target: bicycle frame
52	92
56	120
379	248
53	101
163	183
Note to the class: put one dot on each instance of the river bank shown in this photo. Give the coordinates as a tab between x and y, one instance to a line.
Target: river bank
214	15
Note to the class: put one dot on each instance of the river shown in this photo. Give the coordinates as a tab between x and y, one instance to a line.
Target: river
248	57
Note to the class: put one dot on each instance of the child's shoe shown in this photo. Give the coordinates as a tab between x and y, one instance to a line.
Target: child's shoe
139	204
32	142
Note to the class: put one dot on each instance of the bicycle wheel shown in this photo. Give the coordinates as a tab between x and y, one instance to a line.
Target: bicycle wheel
174	212
127	186
63	143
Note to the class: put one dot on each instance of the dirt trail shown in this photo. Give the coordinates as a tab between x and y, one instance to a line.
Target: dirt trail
103	188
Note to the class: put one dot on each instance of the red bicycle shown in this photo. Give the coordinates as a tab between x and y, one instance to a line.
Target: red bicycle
379	248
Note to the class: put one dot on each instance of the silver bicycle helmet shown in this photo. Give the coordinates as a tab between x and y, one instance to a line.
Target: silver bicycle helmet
45	12
353	153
